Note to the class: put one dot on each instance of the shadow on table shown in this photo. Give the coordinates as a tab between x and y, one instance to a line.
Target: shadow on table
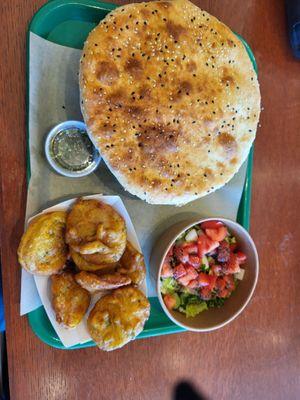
185	391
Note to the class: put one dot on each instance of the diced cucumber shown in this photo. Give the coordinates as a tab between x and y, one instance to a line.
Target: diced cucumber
191	236
240	275
200	232
204	264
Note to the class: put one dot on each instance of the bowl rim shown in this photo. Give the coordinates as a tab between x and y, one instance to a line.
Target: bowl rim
241	309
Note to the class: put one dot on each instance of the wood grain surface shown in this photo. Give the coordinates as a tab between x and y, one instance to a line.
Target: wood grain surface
258	355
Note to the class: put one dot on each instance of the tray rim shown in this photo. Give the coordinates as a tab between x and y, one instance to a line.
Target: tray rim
243	215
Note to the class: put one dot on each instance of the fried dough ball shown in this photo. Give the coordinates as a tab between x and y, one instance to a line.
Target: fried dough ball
95	282
132	264
118	318
96	231
84	265
69	300
42	250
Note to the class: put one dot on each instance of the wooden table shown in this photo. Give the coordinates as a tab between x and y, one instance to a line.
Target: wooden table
255	357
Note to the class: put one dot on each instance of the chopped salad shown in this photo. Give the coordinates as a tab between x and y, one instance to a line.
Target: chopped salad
201	269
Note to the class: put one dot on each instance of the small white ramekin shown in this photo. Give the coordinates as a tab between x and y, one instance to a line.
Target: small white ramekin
64	126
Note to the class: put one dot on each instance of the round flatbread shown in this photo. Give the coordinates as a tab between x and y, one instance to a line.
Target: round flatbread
96	229
42	250
170	98
118	318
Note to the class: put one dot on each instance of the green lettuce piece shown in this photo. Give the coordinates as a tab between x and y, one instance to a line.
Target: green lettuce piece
216	302
193	309
187	297
169	285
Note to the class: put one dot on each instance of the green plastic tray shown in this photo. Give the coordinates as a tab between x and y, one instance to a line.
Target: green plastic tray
68	22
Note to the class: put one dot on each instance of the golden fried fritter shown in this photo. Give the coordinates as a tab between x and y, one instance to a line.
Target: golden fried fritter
84	265
96	282
118	318
96	229
42	249
133	265
69	300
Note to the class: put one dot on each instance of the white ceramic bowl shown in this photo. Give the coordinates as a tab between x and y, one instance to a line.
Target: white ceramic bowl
213	318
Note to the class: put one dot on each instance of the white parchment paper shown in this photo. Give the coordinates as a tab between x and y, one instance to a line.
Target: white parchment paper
53	98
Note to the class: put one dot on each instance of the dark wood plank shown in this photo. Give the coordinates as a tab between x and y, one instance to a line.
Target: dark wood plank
255	357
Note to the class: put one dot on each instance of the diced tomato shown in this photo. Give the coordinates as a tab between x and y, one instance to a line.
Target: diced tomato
229	282
184	280
179	271
191	272
203	279
212	281
220	284
224	293
194	261
216	269
241	257
166	270
232	265
190	275
190	248
206	245
205	293
181	254
193	284
170	301
218	234
211	225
